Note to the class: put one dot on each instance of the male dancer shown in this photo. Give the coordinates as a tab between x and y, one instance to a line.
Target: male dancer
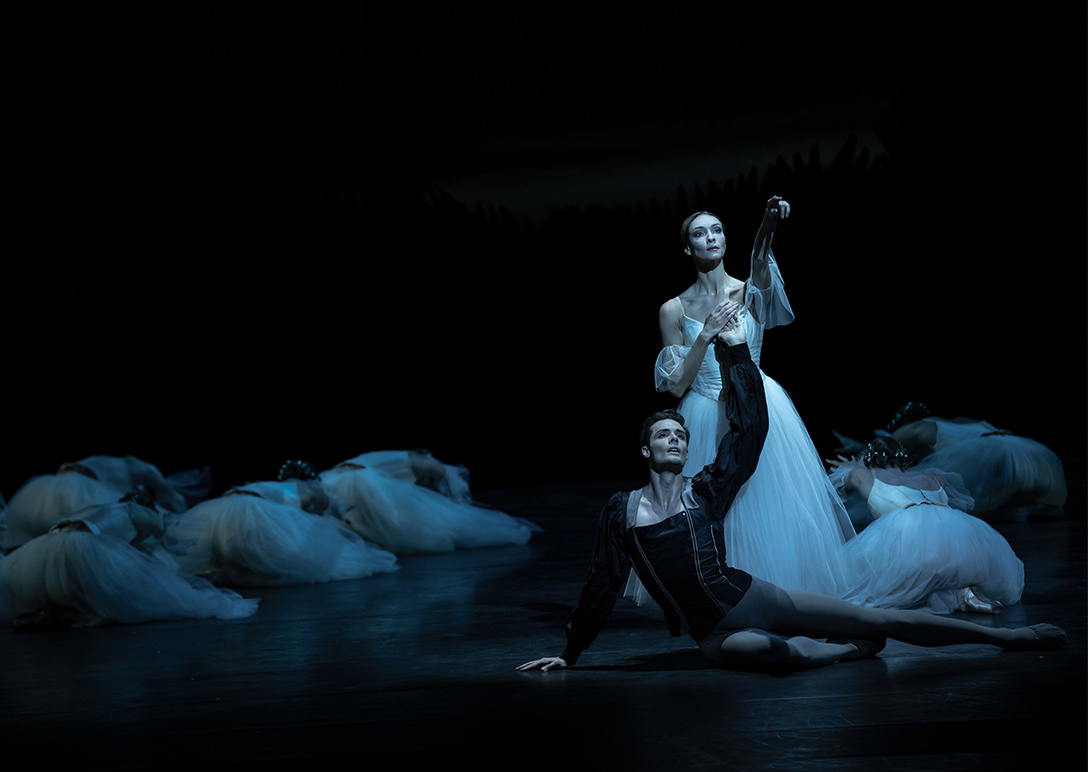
670	532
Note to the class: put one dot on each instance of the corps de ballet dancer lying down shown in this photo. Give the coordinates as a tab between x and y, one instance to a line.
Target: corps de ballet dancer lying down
788	525
1008	476
281	532
45	499
105	564
173	493
393	499
420	467
923	550
670	532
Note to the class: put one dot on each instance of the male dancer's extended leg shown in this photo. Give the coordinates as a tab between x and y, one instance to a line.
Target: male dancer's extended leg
773	627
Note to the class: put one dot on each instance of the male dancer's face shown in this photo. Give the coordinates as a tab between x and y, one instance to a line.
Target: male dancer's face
668	446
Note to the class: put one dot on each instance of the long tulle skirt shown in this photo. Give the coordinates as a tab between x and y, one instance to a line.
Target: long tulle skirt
245	540
96	578
405	518
47	499
1007	475
923	551
454	483
787	525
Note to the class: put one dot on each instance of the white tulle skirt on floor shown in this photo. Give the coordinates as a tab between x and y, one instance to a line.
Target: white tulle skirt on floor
918	556
245	540
1007	475
406	518
47	499
93	578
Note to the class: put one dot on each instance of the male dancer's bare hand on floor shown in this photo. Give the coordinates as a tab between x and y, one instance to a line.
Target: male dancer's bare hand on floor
545	664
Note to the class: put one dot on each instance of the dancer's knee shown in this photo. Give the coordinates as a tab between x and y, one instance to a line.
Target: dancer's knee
750	643
754	649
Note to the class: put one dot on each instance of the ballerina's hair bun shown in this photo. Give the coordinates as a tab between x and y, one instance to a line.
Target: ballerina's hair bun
883	452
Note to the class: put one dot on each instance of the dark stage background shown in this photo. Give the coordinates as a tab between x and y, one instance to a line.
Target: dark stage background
250	233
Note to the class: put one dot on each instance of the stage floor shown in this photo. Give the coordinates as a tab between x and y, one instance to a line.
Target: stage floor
419	666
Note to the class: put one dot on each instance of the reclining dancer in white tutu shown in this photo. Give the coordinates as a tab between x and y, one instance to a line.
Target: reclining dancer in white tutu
923	549
417	466
44	499
409	503
1007	475
670	532
281	532
104	565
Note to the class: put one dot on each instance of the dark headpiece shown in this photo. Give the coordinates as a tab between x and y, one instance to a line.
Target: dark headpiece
297	470
883	452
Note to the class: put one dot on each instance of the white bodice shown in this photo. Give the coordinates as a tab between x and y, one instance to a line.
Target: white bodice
708	380
885	498
768	305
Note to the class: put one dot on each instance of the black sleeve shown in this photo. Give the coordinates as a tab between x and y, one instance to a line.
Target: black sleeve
739	449
607	574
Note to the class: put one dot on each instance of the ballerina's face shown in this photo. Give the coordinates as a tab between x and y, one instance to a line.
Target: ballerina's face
706	238
668	445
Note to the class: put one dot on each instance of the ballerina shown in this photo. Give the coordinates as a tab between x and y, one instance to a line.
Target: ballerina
173	493
281	532
1008	476
420	467
923	550
105	564
669	532
398	512
788	525
45	499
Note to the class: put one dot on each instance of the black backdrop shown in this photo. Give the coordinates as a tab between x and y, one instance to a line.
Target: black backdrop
243	234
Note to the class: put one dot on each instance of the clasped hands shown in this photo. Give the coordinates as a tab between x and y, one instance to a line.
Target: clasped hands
726	323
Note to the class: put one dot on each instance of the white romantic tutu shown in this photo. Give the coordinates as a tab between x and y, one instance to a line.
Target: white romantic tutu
787	525
47	499
918	556
454	483
173	493
246	540
96	578
406	518
1008	475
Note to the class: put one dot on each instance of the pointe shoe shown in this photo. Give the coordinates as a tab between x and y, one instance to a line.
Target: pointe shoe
974	601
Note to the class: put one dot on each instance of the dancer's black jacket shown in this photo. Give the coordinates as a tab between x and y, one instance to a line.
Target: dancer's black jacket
681	561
